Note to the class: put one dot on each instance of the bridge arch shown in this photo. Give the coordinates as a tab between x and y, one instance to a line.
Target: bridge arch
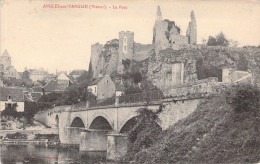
122	122
100	123
77	122
130	123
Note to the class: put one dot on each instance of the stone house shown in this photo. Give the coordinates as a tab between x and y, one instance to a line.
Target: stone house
38	74
120	89
59	84
103	87
10	97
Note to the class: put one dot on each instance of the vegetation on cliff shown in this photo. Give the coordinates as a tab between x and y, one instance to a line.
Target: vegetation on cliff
144	133
223	129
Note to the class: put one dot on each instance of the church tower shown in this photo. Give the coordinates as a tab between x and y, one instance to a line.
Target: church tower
5	59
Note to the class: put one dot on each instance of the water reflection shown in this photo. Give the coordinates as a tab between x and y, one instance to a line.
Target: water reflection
40	154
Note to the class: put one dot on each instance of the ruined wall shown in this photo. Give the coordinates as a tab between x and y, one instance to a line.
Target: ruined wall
160	40
111	62
141	51
167	35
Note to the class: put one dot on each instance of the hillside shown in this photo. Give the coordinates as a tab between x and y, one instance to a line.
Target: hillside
223	129
202	62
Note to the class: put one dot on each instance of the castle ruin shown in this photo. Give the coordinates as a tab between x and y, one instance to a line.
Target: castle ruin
166	34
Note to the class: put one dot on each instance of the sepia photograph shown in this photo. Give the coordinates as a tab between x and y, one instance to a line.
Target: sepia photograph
129	82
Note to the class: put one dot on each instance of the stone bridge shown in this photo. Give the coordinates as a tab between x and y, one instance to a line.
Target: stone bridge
100	128
104	128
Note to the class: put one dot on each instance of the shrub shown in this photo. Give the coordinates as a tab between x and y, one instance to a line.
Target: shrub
144	133
244	97
16	135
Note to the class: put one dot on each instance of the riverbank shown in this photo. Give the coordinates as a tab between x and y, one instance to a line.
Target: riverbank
223	129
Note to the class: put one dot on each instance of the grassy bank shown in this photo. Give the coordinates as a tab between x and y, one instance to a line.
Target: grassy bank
223	129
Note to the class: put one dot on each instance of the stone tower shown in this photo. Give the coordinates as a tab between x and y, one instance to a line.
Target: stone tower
160	40
5	59
158	14
126	48
191	32
96	50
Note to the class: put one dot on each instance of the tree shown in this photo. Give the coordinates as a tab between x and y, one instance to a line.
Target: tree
26	75
212	41
218	40
222	40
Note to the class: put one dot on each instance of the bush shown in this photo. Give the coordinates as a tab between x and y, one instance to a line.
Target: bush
144	133
16	135
244	97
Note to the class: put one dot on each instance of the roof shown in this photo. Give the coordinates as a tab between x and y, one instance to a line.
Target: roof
78	72
95	82
36	95
16	94
68	76
37	89
120	87
56	85
40	71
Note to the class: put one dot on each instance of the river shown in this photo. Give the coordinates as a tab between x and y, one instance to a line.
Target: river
41	154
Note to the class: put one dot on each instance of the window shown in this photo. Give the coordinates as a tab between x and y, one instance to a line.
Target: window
124	48
95	89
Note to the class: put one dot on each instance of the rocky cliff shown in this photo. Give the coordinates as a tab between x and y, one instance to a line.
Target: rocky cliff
201	62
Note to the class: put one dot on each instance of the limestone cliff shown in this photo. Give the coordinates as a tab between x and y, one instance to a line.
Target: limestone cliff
201	62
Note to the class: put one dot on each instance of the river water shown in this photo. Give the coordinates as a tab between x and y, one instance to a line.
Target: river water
41	154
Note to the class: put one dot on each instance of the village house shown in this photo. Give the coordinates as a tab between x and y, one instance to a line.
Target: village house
120	89
77	73
38	74
10	97
103	87
35	92
59	84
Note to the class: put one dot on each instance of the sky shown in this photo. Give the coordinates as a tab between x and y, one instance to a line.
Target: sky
61	38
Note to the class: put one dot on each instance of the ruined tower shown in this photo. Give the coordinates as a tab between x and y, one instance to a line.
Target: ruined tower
160	40
191	32
5	59
96	50
126	48
158	14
